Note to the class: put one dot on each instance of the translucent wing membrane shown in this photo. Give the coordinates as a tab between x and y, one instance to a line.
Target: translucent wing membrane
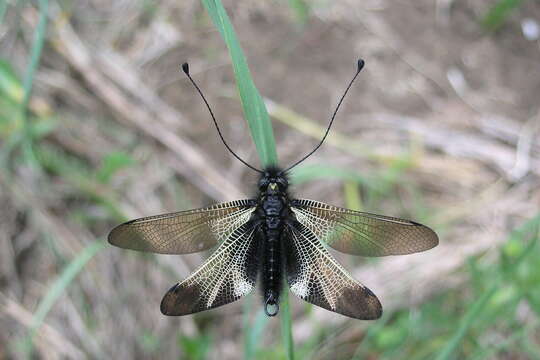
226	276
360	233
183	232
316	277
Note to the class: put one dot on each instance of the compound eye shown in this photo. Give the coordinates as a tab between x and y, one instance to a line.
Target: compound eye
282	182
263	183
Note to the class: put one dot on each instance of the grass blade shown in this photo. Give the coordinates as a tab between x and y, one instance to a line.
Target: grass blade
252	103
471	315
57	289
252	330
3	8
259	125
532	225
286	325
37	47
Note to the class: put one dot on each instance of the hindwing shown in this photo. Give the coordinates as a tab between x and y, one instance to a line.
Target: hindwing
315	276
228	274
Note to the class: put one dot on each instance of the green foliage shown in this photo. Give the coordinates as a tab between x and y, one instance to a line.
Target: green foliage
112	163
372	187
195	348
499	12
459	323
149	342
88	182
12	92
10	87
300	9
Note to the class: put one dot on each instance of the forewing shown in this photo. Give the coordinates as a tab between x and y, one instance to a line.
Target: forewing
226	276
183	232
316	277
360	233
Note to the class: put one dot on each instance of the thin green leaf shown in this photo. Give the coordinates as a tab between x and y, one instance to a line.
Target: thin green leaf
37	47
10	86
254	109
286	326
472	314
196	347
58	288
479	306
3	8
252	330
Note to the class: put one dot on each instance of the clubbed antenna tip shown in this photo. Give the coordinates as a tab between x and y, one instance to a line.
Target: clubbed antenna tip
185	68
361	64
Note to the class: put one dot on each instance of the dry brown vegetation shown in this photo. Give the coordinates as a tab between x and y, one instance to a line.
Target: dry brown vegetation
451	109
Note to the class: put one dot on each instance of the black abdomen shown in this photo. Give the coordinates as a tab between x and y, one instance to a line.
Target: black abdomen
271	274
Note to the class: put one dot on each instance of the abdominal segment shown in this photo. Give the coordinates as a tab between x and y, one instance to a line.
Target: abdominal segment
271	272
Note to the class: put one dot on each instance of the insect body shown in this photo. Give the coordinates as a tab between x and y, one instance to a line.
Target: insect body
273	212
273	238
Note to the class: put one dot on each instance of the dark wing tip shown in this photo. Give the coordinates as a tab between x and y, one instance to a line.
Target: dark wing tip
119	233
359	303
112	238
168	303
373	307
181	300
373	304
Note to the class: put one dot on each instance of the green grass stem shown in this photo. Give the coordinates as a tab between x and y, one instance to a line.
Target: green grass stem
473	313
3	8
286	325
253	329
28	82
479	306
56	290
254	109
37	47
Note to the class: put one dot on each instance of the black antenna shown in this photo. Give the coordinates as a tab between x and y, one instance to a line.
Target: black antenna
185	68
360	65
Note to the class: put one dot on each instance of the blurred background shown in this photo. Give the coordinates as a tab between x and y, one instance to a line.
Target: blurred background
98	125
